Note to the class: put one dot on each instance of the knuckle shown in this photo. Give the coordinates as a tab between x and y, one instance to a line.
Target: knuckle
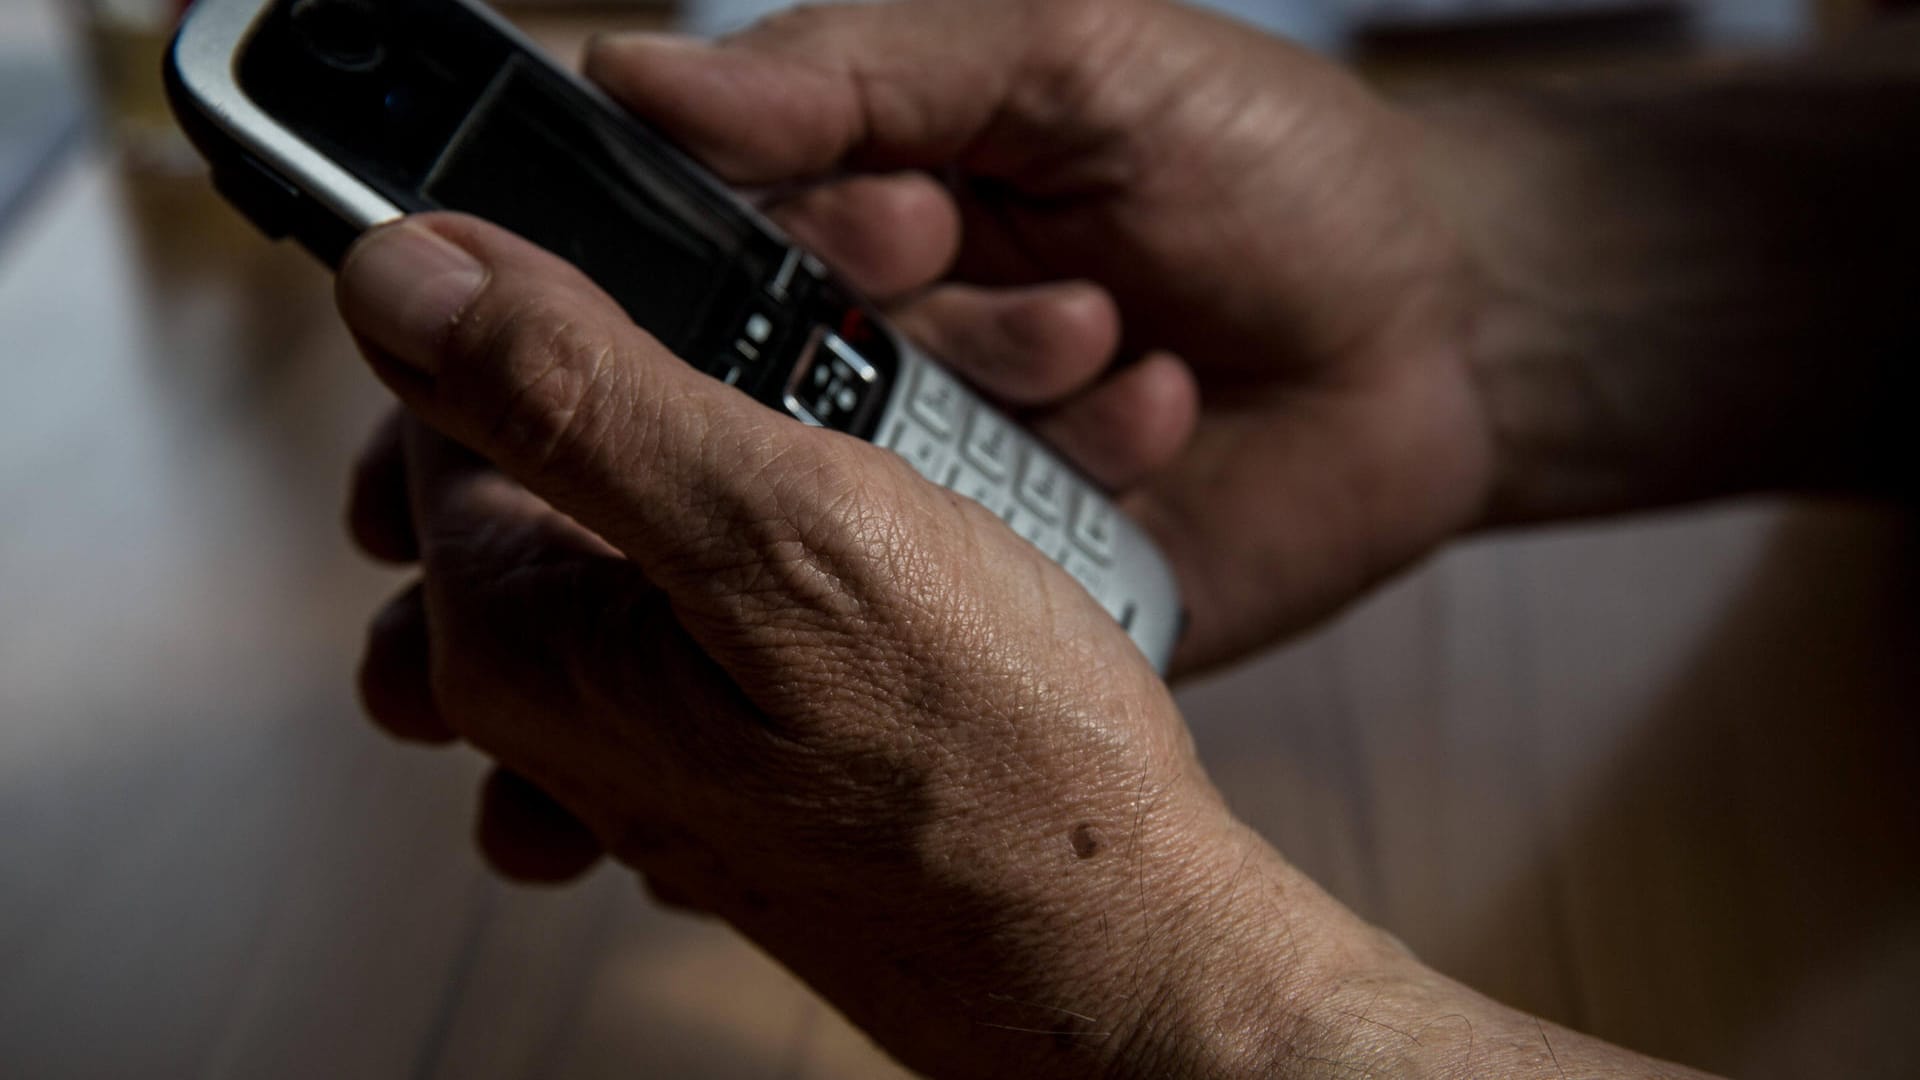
860	594
1075	78
485	589
553	385
809	550
1064	34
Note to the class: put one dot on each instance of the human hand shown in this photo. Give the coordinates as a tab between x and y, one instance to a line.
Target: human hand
1247	208
797	686
793	684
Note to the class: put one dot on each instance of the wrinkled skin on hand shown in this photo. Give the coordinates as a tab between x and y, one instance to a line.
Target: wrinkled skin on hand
795	685
1304	337
1247	206
775	671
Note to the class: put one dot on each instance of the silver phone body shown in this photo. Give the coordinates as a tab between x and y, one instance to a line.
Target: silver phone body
946	431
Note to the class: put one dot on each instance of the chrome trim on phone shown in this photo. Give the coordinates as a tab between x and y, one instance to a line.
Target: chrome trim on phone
801	365
209	45
206	50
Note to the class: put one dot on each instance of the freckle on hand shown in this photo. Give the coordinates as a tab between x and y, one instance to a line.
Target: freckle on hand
1086	840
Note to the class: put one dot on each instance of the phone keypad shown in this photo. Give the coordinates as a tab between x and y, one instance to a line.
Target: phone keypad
974	484
1092	574
1035	529
937	400
1043	487
950	437
1093	529
922	448
991	444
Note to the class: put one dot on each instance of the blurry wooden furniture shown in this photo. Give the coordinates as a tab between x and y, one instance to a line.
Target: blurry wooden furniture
1653	779
1419	55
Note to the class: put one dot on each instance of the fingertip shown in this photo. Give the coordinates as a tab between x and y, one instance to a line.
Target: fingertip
1069	317
526	836
752	119
1028	346
378	518
1170	395
1130	426
671	896
600	55
393	681
609	57
888	235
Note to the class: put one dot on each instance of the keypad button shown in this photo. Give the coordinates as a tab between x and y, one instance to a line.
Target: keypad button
1093	527
753	335
991	444
922	449
1034	528
938	400
1044	486
1093	575
833	385
976	485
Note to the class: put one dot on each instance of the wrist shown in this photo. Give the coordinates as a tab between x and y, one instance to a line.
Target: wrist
1292	985
1535	336
1674	300
1265	975
1181	946
1245	973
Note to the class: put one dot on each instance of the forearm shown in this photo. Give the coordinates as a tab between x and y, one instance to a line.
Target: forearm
1696	288
1289	984
1209	958
1305	989
1413	1022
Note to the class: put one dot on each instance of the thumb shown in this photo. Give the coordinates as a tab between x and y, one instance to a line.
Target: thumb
514	353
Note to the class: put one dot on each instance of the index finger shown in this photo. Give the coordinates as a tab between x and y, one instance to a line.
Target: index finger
865	86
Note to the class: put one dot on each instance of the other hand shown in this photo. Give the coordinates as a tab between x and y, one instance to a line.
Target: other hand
1248	209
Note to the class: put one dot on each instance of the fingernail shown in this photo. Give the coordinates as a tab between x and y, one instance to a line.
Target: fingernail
614	41
402	288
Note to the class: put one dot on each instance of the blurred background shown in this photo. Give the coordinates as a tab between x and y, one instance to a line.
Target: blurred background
1652	779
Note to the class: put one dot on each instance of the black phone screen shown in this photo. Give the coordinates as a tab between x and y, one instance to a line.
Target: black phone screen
428	104
435	109
564	179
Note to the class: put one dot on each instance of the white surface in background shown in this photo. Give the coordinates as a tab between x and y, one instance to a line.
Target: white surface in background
1755	20
1445	9
1324	24
28	25
1314	22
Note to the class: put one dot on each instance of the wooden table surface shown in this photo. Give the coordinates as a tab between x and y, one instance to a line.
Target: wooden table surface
1654	780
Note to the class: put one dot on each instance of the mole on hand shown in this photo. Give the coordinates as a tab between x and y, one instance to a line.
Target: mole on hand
1086	840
